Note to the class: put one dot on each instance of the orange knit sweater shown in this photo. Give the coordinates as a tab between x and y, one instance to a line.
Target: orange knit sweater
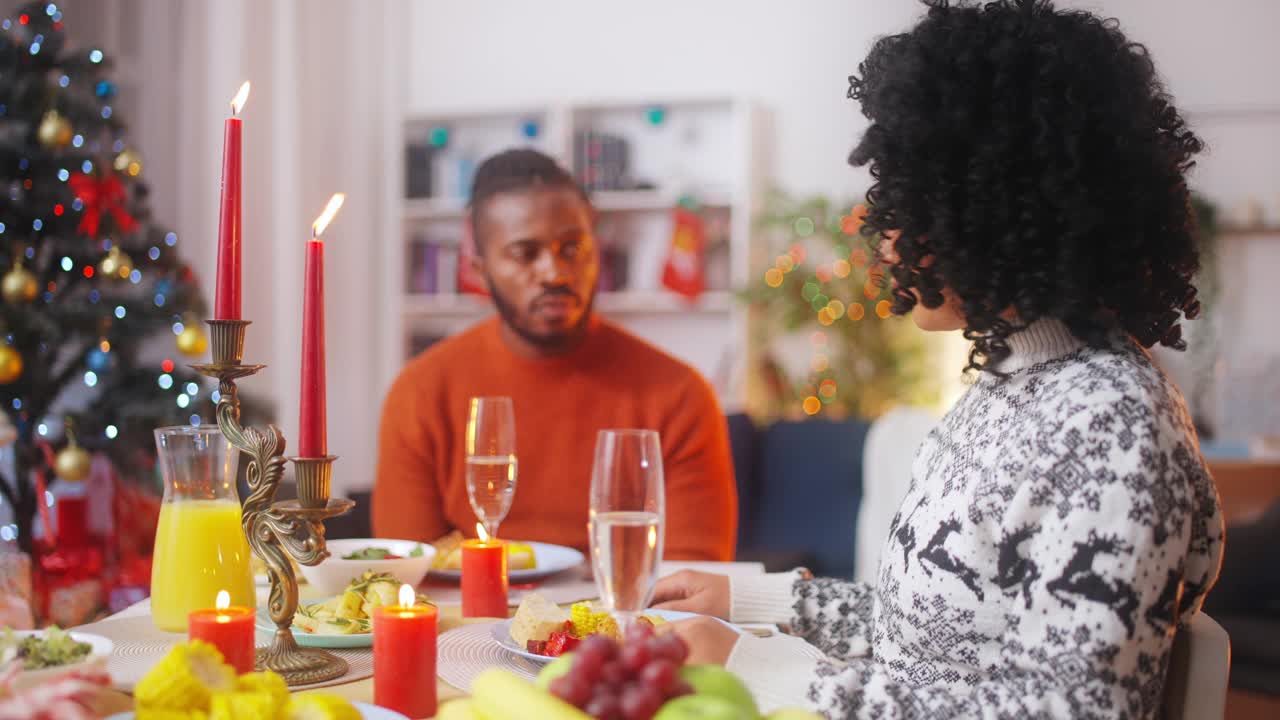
611	380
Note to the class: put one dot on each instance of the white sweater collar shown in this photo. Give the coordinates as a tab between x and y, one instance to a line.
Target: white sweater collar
1044	340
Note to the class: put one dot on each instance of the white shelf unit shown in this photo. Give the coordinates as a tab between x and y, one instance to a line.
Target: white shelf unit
704	149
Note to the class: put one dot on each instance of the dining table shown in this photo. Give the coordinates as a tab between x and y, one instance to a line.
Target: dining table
570	586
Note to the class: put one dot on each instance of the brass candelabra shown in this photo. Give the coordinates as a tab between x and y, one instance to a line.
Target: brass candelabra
276	531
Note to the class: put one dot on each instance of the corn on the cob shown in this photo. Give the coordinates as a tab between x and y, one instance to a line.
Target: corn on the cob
320	706
267	682
242	706
185	679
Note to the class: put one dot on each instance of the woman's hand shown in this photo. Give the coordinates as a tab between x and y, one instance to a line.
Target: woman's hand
695	592
710	641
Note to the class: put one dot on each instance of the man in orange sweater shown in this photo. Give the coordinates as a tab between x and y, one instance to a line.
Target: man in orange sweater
569	374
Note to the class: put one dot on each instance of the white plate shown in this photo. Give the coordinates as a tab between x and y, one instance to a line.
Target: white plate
305	639
501	633
100	649
550	559
367	712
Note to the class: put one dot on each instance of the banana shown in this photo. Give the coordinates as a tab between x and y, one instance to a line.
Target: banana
460	709
500	695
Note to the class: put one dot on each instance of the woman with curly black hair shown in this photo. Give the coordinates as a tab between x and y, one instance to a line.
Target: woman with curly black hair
1060	526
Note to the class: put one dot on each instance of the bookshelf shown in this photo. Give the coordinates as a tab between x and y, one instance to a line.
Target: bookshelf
695	150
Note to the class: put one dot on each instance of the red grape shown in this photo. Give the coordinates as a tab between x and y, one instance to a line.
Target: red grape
603	707
659	674
638	632
613	673
572	689
680	689
640	703
596	650
634	657
671	647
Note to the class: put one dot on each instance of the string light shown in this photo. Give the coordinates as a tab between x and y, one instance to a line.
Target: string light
193	389
37	224
215	396
42	429
803	226
167	365
86	167
857	311
841	268
785	263
194	419
159	300
178	328
77	140
165	381
64	81
111	432
183	400
17	404
120	312
812	405
63	174
171	239
95	56
883	309
773	277
67	264
135	277
154	253
90	378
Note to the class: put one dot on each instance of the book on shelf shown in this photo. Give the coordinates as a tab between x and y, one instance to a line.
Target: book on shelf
418	167
601	161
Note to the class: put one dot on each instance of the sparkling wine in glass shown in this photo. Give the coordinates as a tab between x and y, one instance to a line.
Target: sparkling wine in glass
491	460
627	519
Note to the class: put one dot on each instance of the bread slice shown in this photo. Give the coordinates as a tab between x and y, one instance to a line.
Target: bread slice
536	618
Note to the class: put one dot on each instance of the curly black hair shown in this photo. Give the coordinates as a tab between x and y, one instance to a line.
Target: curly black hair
1031	160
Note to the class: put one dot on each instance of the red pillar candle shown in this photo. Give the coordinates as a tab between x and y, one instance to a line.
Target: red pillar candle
226	304
404	656
230	629
484	578
313	440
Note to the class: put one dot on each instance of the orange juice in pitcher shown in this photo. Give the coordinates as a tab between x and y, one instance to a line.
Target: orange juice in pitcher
200	546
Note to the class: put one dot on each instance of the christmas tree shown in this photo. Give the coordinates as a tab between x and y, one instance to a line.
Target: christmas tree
825	280
91	287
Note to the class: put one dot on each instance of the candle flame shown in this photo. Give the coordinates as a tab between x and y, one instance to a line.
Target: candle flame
237	103
326	217
480	533
224	600
406	596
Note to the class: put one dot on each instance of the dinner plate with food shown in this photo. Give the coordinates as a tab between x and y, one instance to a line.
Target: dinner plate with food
543	631
47	652
344	620
526	561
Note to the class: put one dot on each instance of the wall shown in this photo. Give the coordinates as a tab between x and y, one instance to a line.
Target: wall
332	77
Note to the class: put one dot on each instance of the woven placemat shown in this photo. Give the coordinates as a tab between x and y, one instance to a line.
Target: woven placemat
465	652
139	646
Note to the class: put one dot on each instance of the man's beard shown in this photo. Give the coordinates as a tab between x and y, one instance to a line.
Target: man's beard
553	342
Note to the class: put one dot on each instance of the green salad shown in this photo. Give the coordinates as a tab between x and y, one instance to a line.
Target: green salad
377	553
53	648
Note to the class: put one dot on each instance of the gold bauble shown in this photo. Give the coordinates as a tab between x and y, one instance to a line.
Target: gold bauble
72	462
192	341
19	286
54	130
116	264
10	364
128	162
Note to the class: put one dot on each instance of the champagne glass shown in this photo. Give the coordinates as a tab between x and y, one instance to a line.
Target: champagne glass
627	519
491	460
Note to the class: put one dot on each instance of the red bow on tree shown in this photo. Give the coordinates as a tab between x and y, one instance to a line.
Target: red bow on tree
105	195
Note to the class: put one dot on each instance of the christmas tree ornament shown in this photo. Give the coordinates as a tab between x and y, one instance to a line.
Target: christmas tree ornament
72	462
10	365
100	359
101	196
19	285
128	162
42	35
117	263
54	130
192	341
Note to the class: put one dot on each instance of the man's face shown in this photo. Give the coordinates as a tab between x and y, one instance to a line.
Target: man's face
536	251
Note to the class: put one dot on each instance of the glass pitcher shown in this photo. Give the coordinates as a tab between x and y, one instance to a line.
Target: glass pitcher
200	546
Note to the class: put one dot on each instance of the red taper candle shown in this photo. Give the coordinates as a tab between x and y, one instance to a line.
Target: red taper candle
230	629
404	656
313	438
484	577
226	304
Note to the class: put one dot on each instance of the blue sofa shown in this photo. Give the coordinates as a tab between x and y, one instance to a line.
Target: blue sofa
799	488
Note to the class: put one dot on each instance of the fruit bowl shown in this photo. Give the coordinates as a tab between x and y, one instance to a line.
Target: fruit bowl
331	576
501	633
